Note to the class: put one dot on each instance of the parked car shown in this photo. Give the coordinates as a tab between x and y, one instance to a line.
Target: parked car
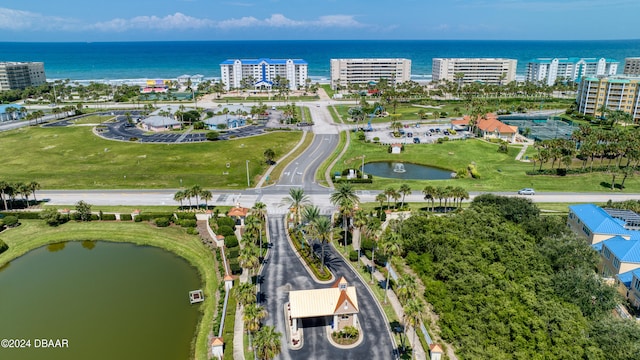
416	140
431	130
446	132
526	191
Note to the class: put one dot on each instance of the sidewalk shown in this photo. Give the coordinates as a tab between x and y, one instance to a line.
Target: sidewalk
418	351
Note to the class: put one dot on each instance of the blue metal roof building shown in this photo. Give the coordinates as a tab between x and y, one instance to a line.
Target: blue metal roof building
595	224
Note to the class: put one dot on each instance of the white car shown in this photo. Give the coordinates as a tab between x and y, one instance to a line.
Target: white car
526	191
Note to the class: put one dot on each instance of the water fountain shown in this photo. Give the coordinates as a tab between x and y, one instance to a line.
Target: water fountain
399	168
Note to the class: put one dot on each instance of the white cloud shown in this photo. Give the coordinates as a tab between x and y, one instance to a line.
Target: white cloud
177	21
18	20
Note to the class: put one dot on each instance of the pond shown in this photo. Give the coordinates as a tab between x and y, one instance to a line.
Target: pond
407	171
108	300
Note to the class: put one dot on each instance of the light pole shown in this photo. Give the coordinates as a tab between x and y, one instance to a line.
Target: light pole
362	169
248	183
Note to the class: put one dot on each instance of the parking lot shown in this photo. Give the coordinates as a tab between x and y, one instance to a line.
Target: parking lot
415	134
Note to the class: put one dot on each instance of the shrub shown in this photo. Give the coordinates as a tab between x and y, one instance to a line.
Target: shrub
52	217
230	241
226	221
125	217
138	219
3	246
186	215
376	139
366	244
233	252
108	217
161	222
192	231
186	223
473	171
353	255
23	215
225	230
235	267
10	221
212	135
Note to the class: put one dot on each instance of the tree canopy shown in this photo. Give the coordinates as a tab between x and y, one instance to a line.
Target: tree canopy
508	283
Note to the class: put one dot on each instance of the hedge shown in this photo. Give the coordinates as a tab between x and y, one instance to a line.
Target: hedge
233	253
186	216
225	230
108	217
125	217
151	216
23	214
235	267
187	223
353	255
222	221
162	222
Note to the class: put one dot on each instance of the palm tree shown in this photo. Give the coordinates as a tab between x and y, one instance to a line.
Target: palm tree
413	311
381	198
390	246
252	226
404	190
296	201
259	210
195	191
252	316
267	343
33	186
245	293
407	287
345	197
359	222
179	196
389	193
322	229
248	258
206	195
5	189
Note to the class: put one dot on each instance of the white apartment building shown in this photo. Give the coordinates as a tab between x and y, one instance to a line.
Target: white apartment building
615	93
20	75
485	70
631	66
364	71
548	70
262	73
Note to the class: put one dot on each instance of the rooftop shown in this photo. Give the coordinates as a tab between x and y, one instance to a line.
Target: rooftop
627	251
598	220
267	61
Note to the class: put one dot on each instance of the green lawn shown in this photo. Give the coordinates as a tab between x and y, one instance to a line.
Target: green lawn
498	171
32	234
74	158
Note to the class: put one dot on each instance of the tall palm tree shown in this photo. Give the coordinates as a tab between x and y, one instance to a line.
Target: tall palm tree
322	229
179	196
252	227
407	287
404	190
359	222
253	314
413	312
206	195
381	198
268	343
195	191
390	246
346	198
430	194
33	186
389	193
245	293
259	210
296	200
248	258
5	188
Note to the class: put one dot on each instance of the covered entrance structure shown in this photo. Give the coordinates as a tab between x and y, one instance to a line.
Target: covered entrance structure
338	303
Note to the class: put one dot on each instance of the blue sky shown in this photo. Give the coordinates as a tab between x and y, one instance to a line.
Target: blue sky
156	20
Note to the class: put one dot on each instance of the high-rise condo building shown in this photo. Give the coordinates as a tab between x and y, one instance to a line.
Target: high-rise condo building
364	71
263	73
614	93
470	70
548	70
631	66
20	75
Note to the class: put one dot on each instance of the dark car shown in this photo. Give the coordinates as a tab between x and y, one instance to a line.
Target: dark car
416	140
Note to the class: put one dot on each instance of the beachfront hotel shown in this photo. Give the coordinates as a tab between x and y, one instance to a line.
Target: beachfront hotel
20	75
615	93
365	71
548	70
262	73
484	70
631	66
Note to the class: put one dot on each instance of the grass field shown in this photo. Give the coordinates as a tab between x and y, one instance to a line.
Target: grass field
32	234
498	171
74	158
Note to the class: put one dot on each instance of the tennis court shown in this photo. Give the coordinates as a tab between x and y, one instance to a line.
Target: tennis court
541	129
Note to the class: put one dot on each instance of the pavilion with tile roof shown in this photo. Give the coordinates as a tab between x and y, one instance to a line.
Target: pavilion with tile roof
489	127
339	303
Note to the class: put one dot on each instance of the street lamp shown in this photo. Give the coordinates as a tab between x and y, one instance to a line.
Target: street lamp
248	183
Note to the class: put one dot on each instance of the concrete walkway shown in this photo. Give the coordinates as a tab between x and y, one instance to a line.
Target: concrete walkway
418	350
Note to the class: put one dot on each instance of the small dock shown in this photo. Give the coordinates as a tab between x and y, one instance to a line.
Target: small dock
196	296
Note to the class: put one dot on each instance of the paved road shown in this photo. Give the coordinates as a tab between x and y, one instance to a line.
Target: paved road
284	272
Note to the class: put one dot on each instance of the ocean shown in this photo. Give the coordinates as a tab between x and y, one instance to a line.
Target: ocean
170	59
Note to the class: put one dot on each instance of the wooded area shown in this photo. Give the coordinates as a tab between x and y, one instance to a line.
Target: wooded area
508	283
